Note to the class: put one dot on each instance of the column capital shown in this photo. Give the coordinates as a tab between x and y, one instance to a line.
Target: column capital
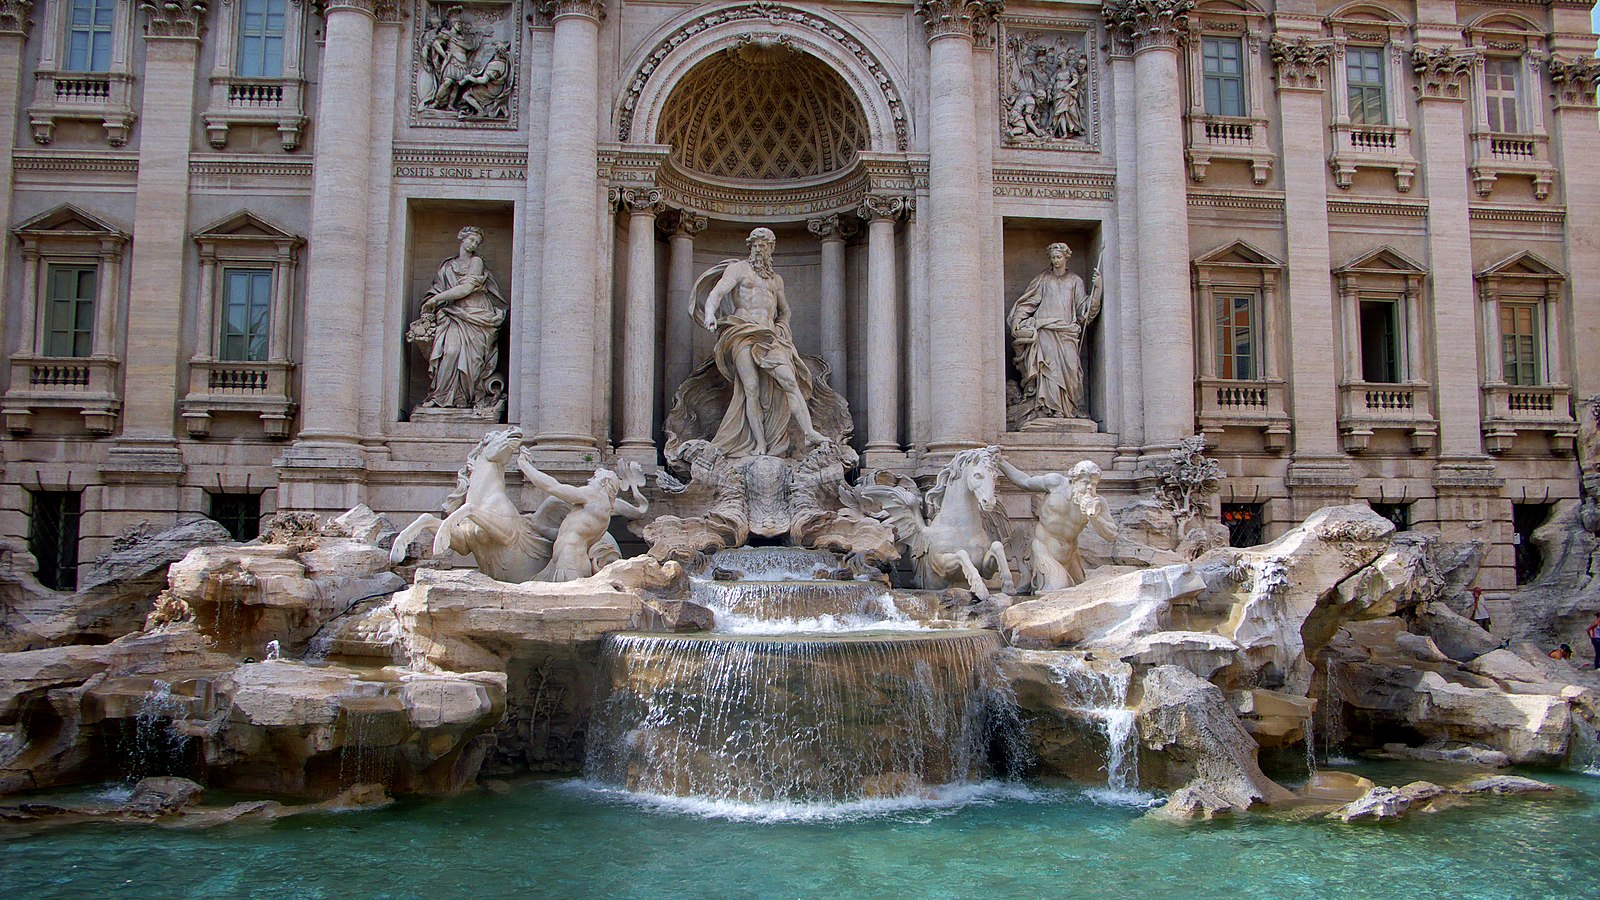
882	206
1574	80
682	223
1147	24
1442	72
638	201
832	227
958	18
386	11
182	19
14	17
553	10
1300	63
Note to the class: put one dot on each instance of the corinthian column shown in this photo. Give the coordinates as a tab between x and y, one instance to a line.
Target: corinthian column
639	325
955	289
337	248
831	230
1153	30
680	282
883	325
567	326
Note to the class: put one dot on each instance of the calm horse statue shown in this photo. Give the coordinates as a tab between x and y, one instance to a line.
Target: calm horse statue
963	542
480	519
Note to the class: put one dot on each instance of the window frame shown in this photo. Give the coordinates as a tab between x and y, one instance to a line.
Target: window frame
239	98
1208	78
1226	357
1380	87
263	34
255	346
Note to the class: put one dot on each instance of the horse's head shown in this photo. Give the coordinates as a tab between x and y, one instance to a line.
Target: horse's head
499	446
979	470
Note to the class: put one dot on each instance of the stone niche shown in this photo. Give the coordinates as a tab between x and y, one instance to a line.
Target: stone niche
1024	257
431	229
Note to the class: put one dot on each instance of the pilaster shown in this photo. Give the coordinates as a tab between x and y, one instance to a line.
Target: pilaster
883	327
1574	79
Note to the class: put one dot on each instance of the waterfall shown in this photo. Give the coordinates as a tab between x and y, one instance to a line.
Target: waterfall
814	719
1585	753
1100	694
152	748
786	600
1331	709
774	563
362	760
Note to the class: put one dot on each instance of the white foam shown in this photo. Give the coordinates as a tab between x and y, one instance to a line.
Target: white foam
888	617
1130	798
932	799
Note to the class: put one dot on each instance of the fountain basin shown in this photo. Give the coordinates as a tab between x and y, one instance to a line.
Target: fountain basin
811	718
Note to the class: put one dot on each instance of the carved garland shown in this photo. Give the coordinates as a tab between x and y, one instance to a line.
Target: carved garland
1442	72
771	12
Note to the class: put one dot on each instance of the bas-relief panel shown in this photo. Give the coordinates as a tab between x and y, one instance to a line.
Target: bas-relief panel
1049	85
464	64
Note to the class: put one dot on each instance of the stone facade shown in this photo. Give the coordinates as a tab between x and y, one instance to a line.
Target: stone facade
1356	246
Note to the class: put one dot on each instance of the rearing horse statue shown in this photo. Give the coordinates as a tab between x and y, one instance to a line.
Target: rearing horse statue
964	540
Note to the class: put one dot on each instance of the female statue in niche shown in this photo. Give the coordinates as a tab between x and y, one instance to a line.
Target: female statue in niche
462	314
1048	324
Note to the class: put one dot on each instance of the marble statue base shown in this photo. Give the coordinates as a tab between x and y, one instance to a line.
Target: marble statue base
487	415
1071	426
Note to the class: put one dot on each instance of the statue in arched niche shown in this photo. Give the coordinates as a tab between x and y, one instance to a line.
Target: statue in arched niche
1048	325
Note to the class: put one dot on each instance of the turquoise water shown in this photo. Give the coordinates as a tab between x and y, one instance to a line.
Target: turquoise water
565	838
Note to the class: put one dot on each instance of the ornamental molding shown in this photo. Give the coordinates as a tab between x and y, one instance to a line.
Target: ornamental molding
1054	185
1136	25
1442	73
1517	215
783	204
179	19
553	10
385	11
1403	210
457	164
1049	85
271	167
1256	203
958	18
14	17
879	207
69	163
1574	79
707	32
1301	63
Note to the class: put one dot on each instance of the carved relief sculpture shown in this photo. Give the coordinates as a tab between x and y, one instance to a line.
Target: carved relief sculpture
465	64
1048	324
1069	504
1045	89
459	328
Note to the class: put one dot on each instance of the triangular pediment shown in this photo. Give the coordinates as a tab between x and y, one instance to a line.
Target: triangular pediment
1524	265
67	220
1238	253
1384	259
245	224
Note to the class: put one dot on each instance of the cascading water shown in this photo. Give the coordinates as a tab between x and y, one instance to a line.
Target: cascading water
1101	695
1585	753
760	711
151	747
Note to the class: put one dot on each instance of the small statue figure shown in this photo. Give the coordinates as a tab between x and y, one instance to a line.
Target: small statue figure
582	545
462	314
488	91
448	58
1048	324
755	352
1069	504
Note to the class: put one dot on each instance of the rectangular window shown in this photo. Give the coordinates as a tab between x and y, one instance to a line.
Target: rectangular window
1521	337
89	35
261	25
1237	354
1398	513
69	310
1364	72
246	312
1244	522
1222	61
1500	91
1525	519
239	513
1380	341
53	537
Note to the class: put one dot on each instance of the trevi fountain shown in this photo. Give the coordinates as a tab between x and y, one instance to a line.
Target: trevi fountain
821	677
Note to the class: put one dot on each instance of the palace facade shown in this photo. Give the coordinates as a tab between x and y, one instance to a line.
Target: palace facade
1356	246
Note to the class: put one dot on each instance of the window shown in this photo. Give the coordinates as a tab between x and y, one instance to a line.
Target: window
1525	519
1397	513
1222	63
261	33
1521	333
1244	523
246	312
1500	91
1364	74
53	537
89	35
240	514
1237	356
69	311
1380	341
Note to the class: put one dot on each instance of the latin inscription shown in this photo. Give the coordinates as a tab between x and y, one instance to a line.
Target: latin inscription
463	173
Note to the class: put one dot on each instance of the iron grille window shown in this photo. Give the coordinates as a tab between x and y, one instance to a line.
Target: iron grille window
1398	513
246	312
1521	334
53	537
69	311
240	514
261	27
1364	73
1525	518
1237	357
1221	61
1244	522
89	35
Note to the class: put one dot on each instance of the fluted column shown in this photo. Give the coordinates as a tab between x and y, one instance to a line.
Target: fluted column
956	304
639	325
832	231
883	324
1155	30
337	249
683	226
571	231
